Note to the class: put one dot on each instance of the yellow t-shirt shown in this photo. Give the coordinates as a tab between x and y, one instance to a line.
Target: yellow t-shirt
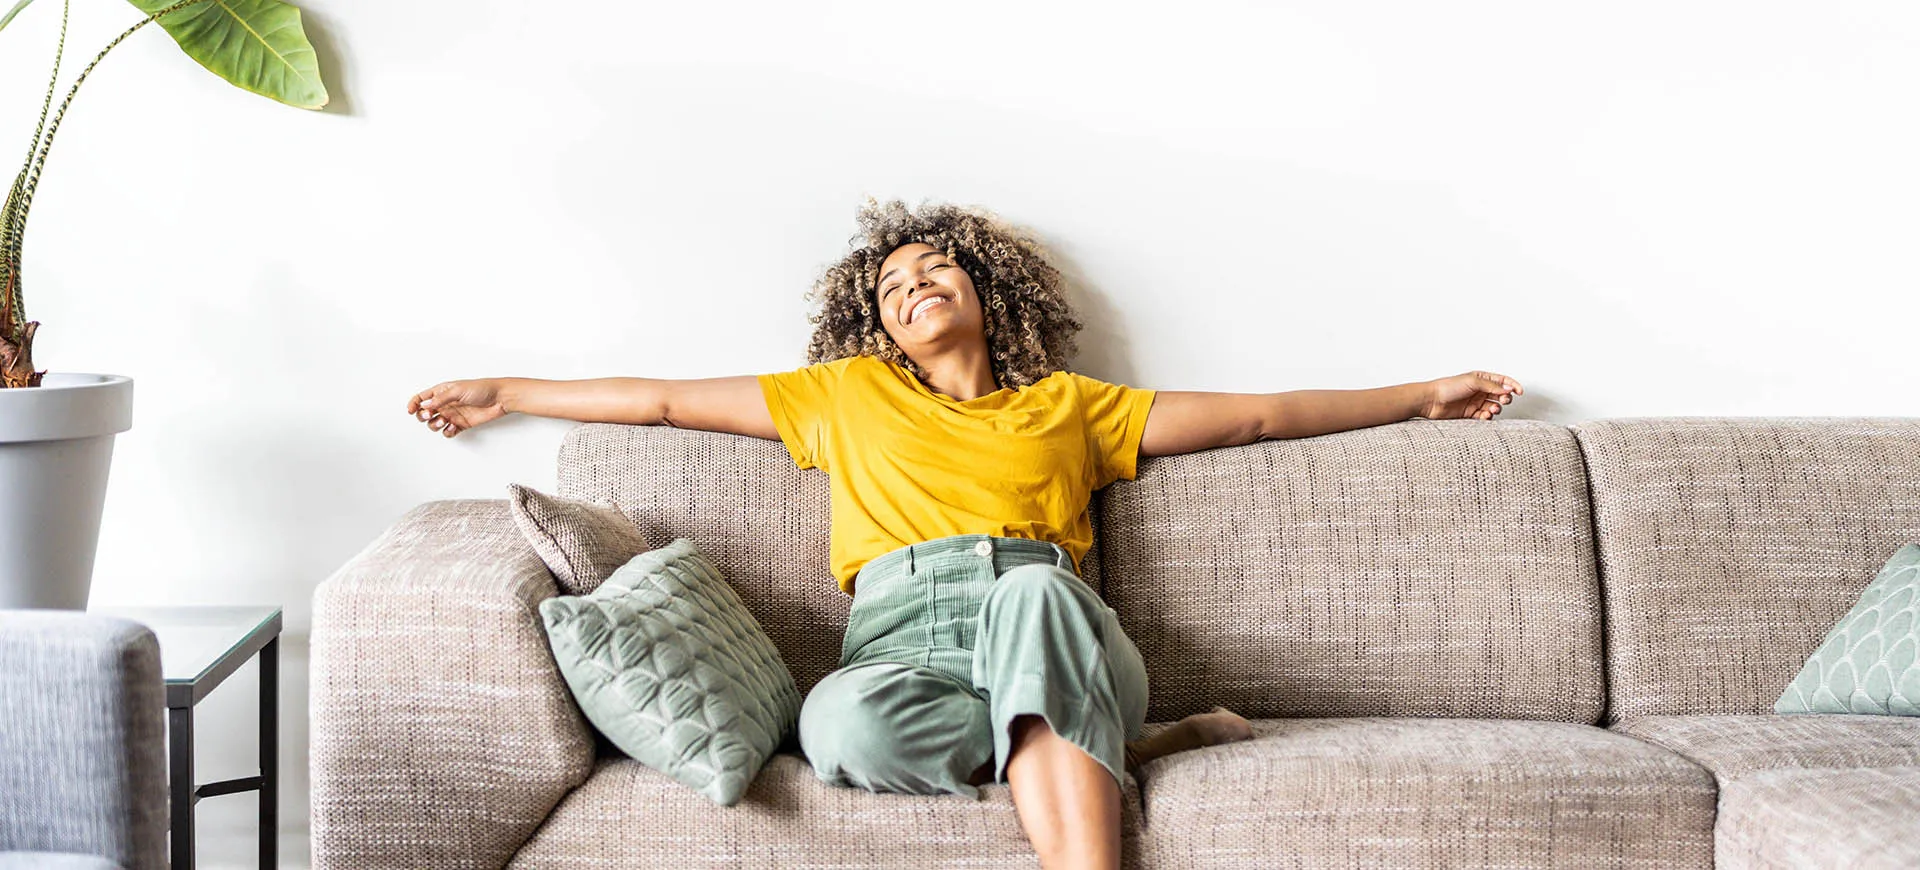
907	465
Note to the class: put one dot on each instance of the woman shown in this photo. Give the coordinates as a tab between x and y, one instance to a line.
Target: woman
961	458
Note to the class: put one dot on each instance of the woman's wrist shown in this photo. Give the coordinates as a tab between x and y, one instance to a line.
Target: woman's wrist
1421	393
510	393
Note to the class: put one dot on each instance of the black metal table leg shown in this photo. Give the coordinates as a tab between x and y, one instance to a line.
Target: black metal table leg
250	631
270	754
180	773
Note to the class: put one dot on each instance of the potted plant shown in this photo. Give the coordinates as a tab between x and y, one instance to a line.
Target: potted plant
56	430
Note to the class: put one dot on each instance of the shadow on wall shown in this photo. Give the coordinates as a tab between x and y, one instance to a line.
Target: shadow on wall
1540	404
334	70
1103	348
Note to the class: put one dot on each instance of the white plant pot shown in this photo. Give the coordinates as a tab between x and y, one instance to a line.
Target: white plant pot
56	443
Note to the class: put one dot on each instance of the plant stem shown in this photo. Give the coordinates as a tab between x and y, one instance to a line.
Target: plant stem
33	181
16	332
13	221
16	357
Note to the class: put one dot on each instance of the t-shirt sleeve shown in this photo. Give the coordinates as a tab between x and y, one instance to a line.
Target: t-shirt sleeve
1116	417
801	402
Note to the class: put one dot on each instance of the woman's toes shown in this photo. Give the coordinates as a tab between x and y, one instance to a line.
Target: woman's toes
1221	725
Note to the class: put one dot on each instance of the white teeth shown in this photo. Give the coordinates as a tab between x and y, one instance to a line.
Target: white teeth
923	306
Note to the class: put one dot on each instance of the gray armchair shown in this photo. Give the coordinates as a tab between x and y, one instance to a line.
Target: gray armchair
83	769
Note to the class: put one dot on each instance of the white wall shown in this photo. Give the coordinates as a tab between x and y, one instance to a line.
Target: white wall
1633	208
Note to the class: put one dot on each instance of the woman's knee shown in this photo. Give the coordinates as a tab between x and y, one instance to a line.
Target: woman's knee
892	727
837	726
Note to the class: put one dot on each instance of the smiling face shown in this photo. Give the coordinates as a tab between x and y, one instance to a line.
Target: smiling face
926	299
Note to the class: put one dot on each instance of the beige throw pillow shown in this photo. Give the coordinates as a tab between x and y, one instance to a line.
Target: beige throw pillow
581	543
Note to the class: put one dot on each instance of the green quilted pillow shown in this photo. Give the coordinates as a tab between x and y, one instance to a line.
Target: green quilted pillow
666	661
1870	661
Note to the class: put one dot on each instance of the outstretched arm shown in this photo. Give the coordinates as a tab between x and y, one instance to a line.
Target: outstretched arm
729	404
1183	422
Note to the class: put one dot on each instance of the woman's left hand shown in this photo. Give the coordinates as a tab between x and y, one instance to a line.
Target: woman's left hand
1475	395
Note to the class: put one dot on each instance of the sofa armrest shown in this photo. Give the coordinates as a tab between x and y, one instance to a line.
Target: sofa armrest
83	767
442	731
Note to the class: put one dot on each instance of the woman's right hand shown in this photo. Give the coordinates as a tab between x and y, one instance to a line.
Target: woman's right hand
456	406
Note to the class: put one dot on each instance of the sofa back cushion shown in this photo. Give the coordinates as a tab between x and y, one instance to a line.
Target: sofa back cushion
1729	546
1422	568
762	521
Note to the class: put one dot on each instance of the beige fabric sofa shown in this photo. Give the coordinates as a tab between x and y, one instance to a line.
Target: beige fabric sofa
1463	643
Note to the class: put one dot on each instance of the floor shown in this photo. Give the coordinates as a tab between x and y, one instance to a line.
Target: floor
232	847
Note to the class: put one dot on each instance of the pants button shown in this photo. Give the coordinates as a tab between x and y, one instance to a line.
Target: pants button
984	548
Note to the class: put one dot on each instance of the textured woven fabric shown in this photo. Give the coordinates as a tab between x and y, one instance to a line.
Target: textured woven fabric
628	815
1733	746
442	734
1729	546
581	543
1427	793
1870	662
664	659
1424	568
1803	819
761	521
1427	567
83	768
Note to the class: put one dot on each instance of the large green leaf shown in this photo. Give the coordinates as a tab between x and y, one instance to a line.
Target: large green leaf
258	45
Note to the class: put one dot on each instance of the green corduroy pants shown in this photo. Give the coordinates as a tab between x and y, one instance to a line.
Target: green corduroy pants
950	640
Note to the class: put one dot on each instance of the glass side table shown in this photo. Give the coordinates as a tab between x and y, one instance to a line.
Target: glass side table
199	648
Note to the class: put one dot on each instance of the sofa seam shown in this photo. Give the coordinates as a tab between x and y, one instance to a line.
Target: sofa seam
1600	578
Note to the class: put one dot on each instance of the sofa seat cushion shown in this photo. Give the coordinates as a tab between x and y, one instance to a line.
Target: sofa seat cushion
629	815
1400	792
1731	746
1821	818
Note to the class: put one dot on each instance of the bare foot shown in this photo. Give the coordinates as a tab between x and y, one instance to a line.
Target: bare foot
1212	728
1220	725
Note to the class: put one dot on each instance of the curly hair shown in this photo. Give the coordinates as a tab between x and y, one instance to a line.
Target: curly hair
1029	325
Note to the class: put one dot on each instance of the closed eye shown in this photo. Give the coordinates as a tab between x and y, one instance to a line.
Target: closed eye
889	291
